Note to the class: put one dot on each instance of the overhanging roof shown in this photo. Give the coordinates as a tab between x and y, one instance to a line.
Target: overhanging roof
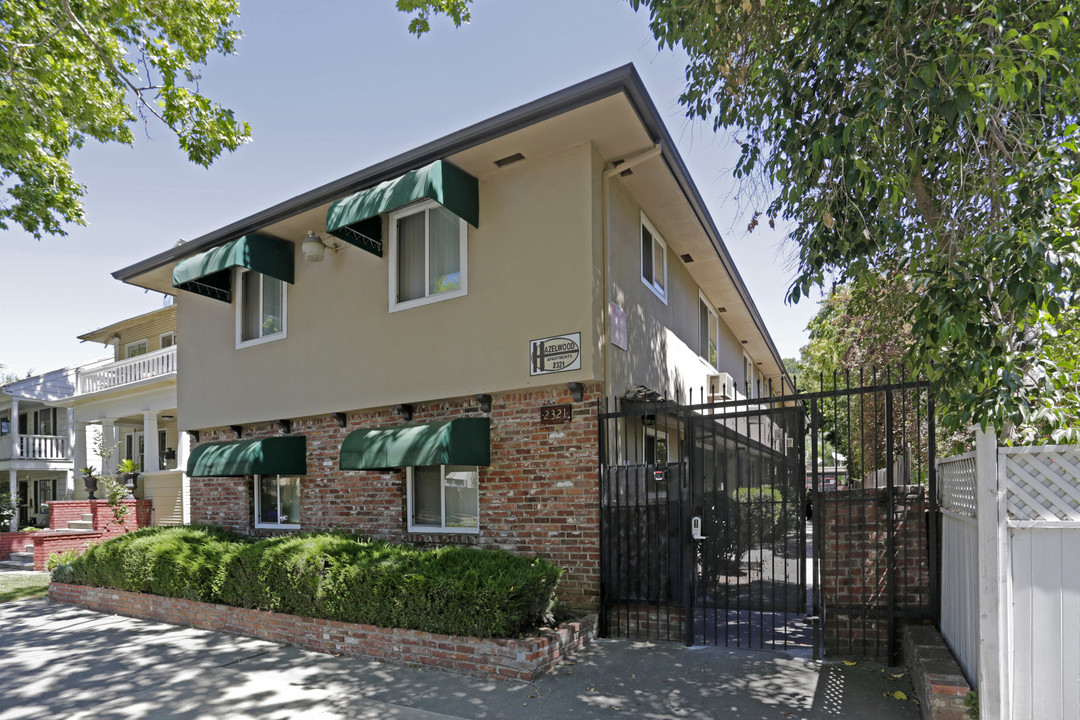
623	81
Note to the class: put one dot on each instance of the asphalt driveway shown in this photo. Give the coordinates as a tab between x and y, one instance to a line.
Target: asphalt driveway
62	661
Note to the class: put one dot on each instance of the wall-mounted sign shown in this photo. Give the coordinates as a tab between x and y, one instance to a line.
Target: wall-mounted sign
618	325
556	414
555	354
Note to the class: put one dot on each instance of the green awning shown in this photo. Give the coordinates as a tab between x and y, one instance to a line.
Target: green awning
355	219
282	455
210	273
462	441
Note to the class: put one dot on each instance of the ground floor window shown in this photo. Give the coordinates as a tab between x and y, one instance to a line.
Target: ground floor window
277	501
444	498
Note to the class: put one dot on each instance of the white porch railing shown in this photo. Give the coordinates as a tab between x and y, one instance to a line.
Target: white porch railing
34	447
144	367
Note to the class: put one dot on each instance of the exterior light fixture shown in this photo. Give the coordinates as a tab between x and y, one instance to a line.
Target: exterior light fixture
314	247
341	419
238	429
285	425
577	391
485	402
406	411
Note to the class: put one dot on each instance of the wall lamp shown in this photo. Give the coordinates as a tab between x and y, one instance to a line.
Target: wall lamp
342	420
485	403
314	247
238	429
406	411
577	391
285	425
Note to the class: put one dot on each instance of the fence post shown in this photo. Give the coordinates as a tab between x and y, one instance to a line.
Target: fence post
993	537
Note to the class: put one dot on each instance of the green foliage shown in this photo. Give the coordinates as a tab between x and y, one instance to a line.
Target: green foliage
91	69
114	494
765	515
453	590
7	508
971	702
456	10
65	557
127	466
929	142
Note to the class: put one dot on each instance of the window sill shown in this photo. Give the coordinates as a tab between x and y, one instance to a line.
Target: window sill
660	294
419	302
429	530
260	341
275	526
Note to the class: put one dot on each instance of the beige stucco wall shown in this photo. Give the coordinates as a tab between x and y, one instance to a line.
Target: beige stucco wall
662	338
531	274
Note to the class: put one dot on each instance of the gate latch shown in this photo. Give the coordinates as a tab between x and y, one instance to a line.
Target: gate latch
695	528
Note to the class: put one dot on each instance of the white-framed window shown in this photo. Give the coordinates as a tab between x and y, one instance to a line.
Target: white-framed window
443	498
163	441
134	349
167	340
428	255
5	423
653	259
708	332
277	501
261	308
45	421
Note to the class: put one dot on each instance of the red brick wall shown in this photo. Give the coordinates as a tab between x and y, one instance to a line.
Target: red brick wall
525	659
48	544
538	496
14	542
63	511
854	558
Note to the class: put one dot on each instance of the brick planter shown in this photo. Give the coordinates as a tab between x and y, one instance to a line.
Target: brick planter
939	682
525	659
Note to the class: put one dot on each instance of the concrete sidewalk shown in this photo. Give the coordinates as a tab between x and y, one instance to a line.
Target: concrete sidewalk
66	662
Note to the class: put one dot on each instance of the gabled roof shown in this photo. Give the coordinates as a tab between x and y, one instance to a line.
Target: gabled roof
570	104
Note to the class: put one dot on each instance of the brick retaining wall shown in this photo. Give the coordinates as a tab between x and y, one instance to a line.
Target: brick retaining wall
14	542
538	496
853	559
525	659
939	682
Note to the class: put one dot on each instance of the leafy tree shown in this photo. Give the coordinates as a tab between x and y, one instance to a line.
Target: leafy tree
935	140
77	69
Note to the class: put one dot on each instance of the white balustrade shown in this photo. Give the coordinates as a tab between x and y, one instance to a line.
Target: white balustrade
144	367
43	447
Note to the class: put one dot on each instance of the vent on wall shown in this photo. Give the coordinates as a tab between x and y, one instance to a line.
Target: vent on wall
687	258
509	160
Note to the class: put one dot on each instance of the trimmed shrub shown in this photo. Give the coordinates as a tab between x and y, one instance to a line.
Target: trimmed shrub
450	590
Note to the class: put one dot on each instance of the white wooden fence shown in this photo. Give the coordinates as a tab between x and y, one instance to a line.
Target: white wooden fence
1014	515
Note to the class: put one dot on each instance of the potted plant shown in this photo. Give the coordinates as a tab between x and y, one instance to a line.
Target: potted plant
130	470
90	480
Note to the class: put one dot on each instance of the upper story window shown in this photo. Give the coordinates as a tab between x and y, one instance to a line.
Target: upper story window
428	255
260	308
653	259
133	349
748	377
708	332
167	340
5	424
443	498
277	501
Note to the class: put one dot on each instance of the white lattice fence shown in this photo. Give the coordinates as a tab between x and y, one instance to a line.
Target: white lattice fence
1042	483
959	560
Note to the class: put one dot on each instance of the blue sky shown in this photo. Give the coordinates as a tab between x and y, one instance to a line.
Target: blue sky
330	87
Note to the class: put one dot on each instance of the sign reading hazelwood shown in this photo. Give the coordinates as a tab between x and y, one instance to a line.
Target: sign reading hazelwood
555	354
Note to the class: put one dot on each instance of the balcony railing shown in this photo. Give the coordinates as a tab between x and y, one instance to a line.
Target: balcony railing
34	447
116	374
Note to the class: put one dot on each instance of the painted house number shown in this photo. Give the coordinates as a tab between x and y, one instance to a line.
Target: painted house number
555	414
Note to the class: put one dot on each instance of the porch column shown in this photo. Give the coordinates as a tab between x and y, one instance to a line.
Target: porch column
15	431
78	448
72	437
151	458
111	445
13	487
182	447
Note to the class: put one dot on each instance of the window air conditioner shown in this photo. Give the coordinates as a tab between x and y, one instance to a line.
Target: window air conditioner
721	387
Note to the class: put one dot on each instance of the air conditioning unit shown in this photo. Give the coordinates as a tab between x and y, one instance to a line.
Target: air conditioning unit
721	387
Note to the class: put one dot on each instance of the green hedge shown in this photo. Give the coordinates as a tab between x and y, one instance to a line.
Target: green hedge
451	590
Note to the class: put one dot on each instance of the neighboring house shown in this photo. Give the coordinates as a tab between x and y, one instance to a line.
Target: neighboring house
416	351
36	442
126	406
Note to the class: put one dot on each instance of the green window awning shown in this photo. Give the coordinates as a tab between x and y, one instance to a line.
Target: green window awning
462	441
210	273
355	219
283	455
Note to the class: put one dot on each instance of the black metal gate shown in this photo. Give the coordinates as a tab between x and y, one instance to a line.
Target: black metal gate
746	523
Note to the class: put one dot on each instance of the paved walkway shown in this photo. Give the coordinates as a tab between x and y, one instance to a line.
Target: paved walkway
66	662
